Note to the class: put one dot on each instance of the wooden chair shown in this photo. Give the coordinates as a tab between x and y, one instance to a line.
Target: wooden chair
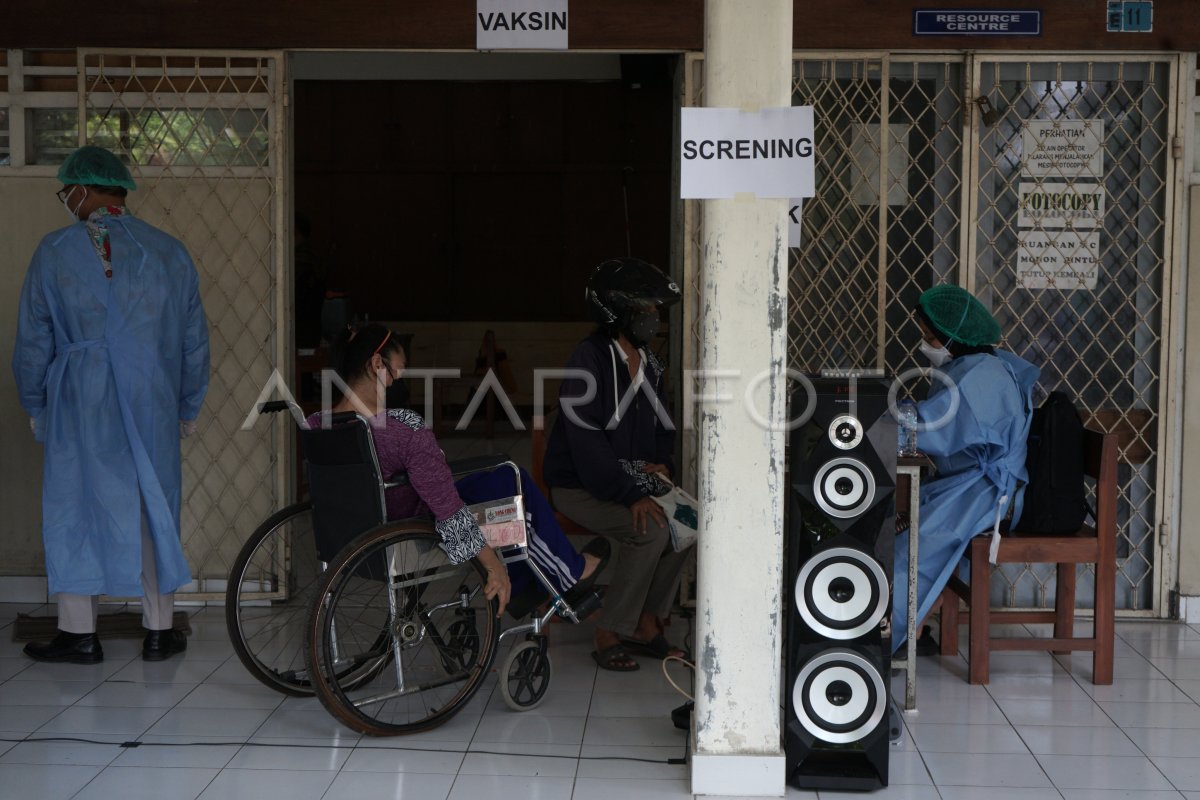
1089	545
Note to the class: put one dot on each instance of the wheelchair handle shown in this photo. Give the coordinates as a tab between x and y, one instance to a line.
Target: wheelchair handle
275	406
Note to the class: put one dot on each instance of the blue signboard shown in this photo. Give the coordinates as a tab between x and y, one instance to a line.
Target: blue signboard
1130	17
976	22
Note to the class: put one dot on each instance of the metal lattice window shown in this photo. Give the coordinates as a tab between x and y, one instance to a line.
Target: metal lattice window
201	135
891	218
1104	347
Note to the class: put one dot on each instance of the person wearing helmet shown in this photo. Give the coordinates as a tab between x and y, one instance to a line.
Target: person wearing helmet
111	363
607	446
978	426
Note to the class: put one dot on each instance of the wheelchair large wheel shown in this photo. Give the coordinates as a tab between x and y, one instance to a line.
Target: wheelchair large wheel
269	597
440	632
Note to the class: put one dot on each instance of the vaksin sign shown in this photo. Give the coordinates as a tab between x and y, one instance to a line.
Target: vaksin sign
521	24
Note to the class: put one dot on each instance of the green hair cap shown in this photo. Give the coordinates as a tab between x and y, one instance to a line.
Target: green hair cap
956	313
95	166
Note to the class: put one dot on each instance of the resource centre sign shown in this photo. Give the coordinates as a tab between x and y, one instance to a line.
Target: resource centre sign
976	22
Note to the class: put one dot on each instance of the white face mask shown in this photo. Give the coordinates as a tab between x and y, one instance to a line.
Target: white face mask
73	215
936	355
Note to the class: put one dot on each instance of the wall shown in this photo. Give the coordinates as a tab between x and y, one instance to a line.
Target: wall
665	25
30	211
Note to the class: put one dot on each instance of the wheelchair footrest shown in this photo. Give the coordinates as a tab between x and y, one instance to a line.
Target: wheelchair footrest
587	605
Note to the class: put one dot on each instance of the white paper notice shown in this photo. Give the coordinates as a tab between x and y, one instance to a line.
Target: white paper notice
864	163
794	220
1060	205
1065	149
521	24
769	153
1058	259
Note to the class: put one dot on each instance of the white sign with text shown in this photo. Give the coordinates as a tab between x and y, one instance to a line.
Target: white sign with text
795	218
1058	259
1060	205
521	24
768	153
1063	148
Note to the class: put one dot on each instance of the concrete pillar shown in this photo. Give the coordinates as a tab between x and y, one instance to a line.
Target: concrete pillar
737	749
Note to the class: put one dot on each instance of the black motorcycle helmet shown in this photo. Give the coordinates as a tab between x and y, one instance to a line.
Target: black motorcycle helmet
620	287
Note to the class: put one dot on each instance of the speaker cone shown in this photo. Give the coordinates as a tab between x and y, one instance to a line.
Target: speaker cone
839	696
841	593
844	487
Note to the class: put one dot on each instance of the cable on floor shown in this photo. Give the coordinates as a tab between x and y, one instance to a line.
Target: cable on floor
134	743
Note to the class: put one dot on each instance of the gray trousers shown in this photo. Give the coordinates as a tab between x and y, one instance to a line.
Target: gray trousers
77	612
645	570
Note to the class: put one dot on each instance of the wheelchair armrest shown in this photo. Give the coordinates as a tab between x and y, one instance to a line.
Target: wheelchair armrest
463	466
399	479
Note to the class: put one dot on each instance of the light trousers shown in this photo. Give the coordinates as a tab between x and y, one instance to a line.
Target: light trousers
77	612
646	570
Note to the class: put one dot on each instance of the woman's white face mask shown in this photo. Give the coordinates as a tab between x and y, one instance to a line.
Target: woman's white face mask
936	355
74	215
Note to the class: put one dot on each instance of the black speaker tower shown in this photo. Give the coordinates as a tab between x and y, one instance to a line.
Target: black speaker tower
841	532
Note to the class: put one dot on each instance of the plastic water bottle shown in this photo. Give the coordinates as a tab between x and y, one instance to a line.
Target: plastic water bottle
906	428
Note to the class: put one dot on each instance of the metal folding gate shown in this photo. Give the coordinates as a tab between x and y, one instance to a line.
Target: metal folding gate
204	135
888	221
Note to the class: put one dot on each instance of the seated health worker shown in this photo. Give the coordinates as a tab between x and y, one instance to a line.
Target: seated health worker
974	430
369	360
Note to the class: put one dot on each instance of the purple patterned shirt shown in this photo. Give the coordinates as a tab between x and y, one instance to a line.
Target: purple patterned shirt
403	443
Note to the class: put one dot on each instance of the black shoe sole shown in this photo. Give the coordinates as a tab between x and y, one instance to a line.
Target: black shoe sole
77	659
161	656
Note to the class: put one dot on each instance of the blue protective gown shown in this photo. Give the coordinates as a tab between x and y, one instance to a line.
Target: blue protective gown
108	367
980	458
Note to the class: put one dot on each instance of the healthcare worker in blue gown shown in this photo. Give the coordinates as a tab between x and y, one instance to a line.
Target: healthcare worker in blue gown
111	363
974	427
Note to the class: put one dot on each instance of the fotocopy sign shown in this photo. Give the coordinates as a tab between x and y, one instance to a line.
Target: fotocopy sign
521	24
1060	205
768	153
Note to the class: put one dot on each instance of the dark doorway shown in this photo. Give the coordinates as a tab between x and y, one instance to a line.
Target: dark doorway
483	200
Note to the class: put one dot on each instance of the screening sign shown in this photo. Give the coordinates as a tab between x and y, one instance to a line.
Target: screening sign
768	153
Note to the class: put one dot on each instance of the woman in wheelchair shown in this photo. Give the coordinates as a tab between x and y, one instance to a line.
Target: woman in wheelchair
369	360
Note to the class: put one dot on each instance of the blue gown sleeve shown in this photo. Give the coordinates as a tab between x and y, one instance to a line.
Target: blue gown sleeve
33	350
194	382
952	429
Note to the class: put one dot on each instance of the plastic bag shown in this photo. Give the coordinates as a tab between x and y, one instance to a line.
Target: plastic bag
683	515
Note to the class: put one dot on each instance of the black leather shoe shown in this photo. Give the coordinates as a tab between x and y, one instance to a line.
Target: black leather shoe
71	648
161	645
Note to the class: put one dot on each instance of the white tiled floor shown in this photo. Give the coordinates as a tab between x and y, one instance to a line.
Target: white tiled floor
1039	730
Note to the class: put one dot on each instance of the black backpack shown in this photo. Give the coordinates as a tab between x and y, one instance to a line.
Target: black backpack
1055	496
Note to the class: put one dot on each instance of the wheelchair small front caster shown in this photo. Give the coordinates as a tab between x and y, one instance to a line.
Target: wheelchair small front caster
525	674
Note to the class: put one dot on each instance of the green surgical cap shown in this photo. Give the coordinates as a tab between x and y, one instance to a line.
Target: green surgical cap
95	166
956	313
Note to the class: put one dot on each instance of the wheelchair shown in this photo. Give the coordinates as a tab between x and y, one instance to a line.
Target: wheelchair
328	597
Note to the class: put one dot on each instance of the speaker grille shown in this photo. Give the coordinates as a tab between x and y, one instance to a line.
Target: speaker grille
841	593
844	487
839	697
